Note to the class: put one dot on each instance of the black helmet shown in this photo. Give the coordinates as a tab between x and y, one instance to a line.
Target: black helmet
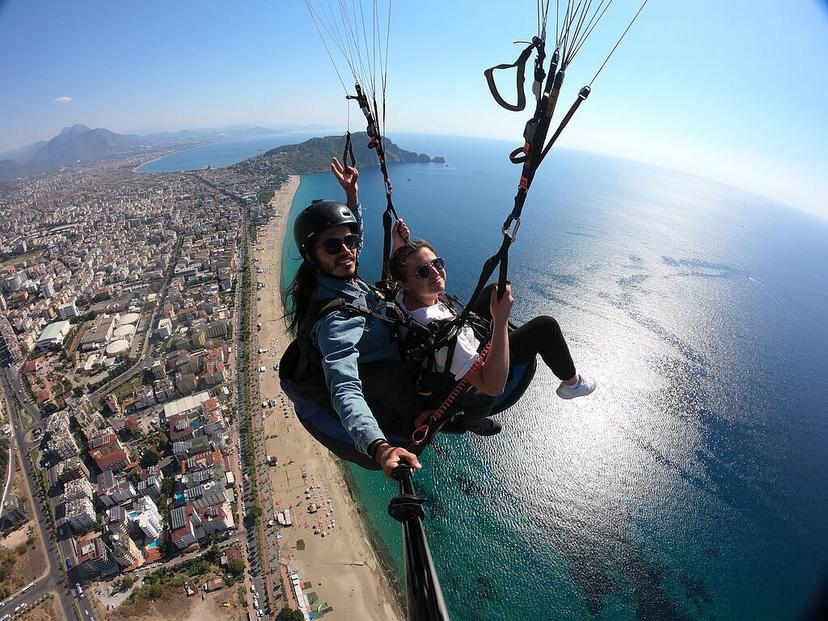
320	216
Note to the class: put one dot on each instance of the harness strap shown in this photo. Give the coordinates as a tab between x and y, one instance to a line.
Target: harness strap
428	419
394	316
501	257
375	142
520	78
530	155
348	151
582	95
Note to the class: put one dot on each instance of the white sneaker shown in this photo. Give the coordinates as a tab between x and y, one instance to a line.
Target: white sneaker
583	388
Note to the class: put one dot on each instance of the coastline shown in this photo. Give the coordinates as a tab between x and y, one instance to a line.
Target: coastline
137	168
333	547
393	580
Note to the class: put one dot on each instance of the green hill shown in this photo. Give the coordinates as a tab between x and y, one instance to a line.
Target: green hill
315	155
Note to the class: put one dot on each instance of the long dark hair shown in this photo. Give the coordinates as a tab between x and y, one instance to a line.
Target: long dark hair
297	297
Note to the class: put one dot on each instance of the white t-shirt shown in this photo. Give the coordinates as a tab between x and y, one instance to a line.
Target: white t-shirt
465	350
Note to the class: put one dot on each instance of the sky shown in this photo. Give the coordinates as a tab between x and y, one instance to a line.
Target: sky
730	90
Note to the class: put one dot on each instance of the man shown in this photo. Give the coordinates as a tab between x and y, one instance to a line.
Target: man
329	237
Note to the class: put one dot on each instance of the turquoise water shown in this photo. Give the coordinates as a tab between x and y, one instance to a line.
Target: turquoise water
692	484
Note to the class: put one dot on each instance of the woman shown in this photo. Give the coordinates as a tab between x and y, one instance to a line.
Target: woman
329	238
421	276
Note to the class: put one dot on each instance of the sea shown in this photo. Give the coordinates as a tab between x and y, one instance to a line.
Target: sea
223	153
693	483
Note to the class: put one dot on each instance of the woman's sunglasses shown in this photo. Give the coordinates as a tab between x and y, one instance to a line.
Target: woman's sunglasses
424	271
333	245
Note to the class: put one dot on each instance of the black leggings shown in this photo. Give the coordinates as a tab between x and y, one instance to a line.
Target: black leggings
541	335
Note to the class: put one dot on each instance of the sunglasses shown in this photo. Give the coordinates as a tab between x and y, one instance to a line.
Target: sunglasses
334	244
424	271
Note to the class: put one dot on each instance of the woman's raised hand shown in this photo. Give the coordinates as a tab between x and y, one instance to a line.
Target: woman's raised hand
348	177
400	233
501	307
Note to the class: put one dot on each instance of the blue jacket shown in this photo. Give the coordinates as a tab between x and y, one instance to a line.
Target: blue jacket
344	339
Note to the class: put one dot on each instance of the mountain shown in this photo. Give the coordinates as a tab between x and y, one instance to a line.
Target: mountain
78	144
81	144
208	135
73	145
74	130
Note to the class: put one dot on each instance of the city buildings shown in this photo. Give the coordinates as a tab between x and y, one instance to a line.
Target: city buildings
113	490
80	514
10	351
117	317
92	559
125	551
146	516
53	335
183	523
68	310
76	489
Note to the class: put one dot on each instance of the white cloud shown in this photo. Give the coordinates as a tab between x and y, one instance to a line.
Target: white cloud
63	99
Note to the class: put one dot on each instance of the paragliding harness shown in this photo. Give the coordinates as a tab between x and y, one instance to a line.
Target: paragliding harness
439	389
410	399
388	388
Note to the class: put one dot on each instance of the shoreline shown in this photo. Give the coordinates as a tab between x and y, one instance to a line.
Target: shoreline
137	168
393	580
333	547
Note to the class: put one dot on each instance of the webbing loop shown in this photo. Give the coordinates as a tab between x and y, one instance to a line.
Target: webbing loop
348	151
519	155
520	77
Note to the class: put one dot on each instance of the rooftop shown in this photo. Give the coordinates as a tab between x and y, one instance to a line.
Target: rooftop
54	331
180	406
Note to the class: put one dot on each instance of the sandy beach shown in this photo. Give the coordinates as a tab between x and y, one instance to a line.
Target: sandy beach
333	551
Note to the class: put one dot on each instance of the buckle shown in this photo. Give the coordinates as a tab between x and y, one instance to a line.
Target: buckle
514	222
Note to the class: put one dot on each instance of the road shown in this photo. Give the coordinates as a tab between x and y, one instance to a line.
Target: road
260	574
145	361
9	471
259	565
54	580
14	393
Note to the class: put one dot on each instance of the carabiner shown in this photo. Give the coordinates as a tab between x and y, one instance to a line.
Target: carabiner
510	221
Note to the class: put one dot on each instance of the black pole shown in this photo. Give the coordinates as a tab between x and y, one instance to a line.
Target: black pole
425	597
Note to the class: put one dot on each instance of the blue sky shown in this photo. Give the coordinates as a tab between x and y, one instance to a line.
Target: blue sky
733	90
